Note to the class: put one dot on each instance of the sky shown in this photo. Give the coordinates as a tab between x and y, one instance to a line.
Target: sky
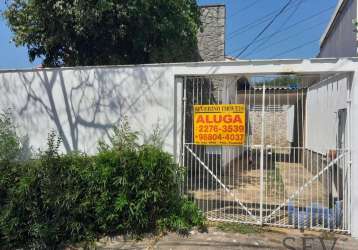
294	34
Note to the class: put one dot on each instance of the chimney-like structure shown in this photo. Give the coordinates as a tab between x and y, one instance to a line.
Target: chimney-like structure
211	37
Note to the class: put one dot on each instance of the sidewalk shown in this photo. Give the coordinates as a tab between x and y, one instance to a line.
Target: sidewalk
217	239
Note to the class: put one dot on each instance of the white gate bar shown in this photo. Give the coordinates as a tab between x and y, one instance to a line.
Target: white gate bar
304	186
262	153
218	180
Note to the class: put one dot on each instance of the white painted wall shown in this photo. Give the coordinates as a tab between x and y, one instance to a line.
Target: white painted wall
83	104
341	40
87	101
322	104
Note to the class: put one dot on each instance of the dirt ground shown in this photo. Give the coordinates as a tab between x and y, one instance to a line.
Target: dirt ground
294	176
217	239
245	186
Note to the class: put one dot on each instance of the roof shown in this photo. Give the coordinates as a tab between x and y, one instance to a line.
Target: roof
336	13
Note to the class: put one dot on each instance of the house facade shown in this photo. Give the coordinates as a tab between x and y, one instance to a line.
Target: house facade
340	38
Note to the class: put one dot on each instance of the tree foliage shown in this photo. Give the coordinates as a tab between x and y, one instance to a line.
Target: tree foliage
103	32
291	81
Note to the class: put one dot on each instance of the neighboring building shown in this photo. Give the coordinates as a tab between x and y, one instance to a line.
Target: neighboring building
340	38
211	37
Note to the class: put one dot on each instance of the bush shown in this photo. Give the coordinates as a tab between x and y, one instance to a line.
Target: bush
125	189
10	146
46	202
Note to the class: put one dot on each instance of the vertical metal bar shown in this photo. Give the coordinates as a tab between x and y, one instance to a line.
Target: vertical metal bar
288	166
202	153
322	190
248	140
266	150
218	168
278	192
262	152
349	155
208	156
236	156
311	209
317	183
295	152
197	147
193	178
253	206
183	115
227	149
191	139
211	157
302	150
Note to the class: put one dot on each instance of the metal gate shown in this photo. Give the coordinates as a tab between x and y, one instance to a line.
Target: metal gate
276	177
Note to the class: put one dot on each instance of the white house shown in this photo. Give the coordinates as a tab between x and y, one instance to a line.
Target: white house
340	39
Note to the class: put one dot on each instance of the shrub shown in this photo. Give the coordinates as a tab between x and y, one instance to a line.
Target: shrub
125	189
47	203
139	189
12	148
9	141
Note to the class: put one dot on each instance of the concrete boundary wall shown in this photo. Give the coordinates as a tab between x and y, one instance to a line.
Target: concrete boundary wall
82	103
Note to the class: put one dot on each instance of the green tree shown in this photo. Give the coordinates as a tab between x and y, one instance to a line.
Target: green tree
103	32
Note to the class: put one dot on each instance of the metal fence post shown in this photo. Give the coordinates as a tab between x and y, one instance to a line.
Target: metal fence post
182	143
262	153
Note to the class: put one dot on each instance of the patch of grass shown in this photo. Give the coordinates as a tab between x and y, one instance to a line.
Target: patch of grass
239	228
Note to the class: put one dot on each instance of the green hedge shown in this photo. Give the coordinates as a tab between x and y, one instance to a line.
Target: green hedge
58	199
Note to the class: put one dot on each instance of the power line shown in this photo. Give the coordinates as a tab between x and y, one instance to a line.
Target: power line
287	38
293	13
266	27
282	26
295	48
256	22
292	25
247	27
244	8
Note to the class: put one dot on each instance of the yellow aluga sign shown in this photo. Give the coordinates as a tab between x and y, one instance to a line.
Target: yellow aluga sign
219	124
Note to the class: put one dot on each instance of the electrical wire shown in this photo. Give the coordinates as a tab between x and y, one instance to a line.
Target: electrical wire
299	33
266	27
291	26
286	21
295	48
258	21
245	8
